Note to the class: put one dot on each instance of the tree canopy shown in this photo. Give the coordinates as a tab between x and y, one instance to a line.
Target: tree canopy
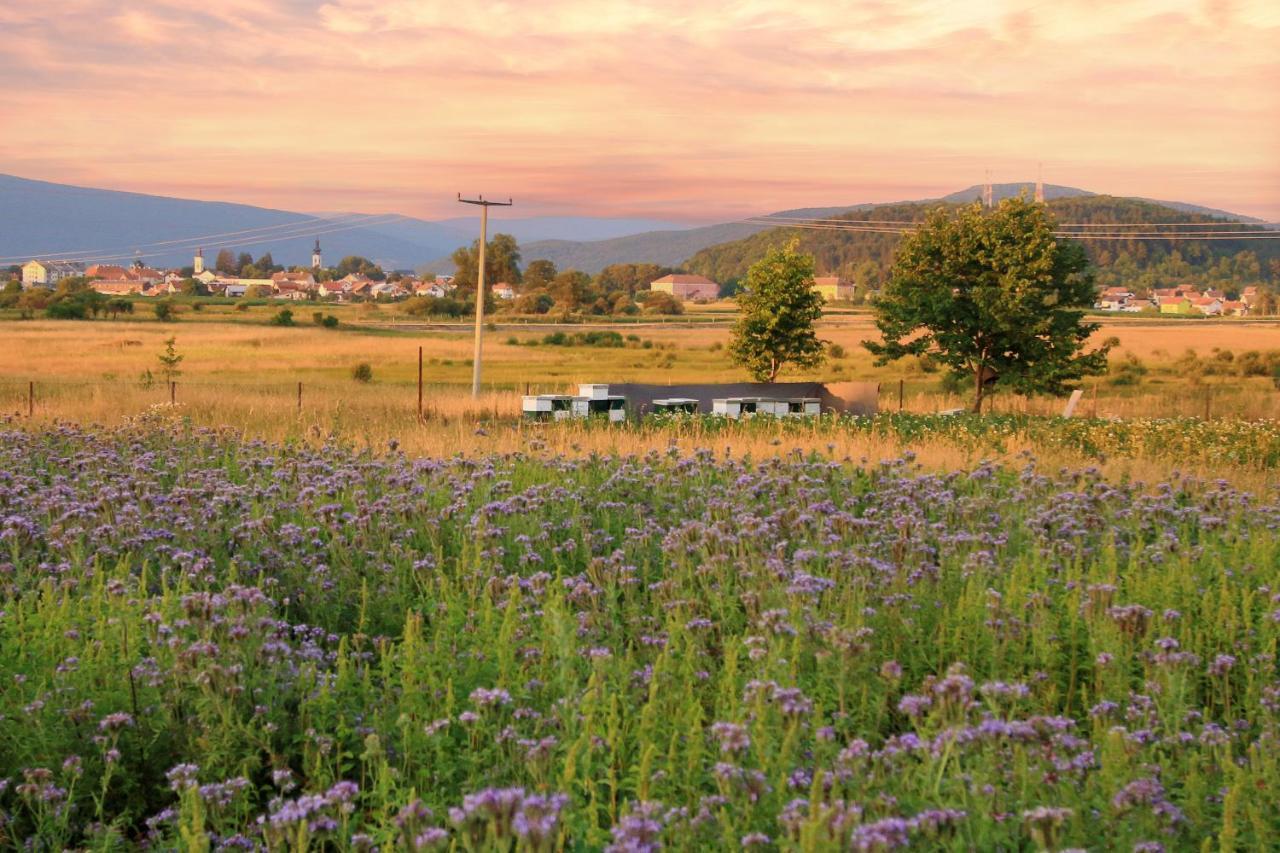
778	308
501	260
993	296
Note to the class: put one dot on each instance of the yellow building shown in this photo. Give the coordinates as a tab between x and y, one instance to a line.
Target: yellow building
48	273
833	288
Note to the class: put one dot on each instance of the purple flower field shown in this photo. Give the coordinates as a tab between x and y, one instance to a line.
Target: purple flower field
213	644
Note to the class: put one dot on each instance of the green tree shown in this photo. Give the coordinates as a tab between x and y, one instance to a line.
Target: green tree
539	275
628	278
163	310
119	306
243	261
9	296
170	359
779	308
994	297
501	262
360	266
571	289
226	262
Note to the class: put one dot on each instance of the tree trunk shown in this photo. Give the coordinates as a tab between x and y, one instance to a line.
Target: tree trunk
977	390
774	367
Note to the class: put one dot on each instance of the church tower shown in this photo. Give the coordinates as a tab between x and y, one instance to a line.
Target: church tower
315	256
197	265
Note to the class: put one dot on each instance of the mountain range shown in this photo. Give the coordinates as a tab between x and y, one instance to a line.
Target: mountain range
42	219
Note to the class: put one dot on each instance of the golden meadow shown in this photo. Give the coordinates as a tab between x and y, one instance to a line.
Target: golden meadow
241	372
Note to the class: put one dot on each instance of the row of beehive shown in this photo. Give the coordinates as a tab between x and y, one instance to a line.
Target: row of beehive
594	399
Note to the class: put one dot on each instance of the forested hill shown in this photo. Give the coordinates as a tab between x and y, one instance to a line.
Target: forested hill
865	257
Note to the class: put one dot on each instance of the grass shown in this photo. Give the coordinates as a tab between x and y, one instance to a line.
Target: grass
208	643
242	373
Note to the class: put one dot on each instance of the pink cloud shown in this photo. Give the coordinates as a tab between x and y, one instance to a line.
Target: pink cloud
658	108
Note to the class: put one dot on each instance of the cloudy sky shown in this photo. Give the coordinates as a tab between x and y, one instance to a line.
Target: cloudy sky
679	109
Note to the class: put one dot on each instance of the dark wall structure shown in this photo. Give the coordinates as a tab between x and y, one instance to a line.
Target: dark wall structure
851	398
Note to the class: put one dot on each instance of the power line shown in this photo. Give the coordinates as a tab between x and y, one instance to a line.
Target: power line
194	243
917	222
308	228
832	225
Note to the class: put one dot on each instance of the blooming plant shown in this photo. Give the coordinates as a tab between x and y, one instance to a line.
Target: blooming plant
210	643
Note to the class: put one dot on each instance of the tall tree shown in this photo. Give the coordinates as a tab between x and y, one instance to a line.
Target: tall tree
571	289
361	266
778	309
243	260
501	261
995	297
539	274
226	262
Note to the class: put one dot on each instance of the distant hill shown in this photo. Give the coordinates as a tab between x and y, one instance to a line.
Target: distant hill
866	257
42	219
674	248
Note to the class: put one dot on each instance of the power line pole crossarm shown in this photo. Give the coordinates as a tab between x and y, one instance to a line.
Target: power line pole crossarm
484	239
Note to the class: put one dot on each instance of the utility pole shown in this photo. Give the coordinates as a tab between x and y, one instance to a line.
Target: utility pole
484	238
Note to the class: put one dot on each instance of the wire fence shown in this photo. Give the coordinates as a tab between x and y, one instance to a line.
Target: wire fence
108	399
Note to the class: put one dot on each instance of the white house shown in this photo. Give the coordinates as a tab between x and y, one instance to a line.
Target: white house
502	290
48	273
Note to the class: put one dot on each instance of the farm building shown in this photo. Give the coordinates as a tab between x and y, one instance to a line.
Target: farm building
48	273
686	287
833	288
1175	305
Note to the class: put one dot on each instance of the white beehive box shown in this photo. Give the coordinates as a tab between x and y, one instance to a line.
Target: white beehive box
617	407
729	408
804	407
580	407
547	406
736	407
593	392
777	408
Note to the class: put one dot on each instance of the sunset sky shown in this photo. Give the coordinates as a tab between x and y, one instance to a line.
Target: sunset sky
682	110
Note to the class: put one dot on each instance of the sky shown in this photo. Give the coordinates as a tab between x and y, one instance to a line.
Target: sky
676	109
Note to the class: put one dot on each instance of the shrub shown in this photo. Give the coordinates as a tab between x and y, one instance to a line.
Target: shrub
835	351
362	372
330	322
1251	363
164	311
283	317
1127	372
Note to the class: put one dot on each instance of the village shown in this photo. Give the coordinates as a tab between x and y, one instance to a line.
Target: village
301	284
1184	300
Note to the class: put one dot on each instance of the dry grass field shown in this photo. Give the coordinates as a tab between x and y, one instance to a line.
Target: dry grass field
239	372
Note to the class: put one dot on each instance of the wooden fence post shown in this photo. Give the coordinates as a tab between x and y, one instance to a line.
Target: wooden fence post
419	384
173	393
299	398
31	399
901	385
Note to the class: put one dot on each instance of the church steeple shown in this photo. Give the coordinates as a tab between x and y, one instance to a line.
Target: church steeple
315	256
197	264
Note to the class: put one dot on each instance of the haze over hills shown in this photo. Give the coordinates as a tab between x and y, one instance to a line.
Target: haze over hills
673	249
41	219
